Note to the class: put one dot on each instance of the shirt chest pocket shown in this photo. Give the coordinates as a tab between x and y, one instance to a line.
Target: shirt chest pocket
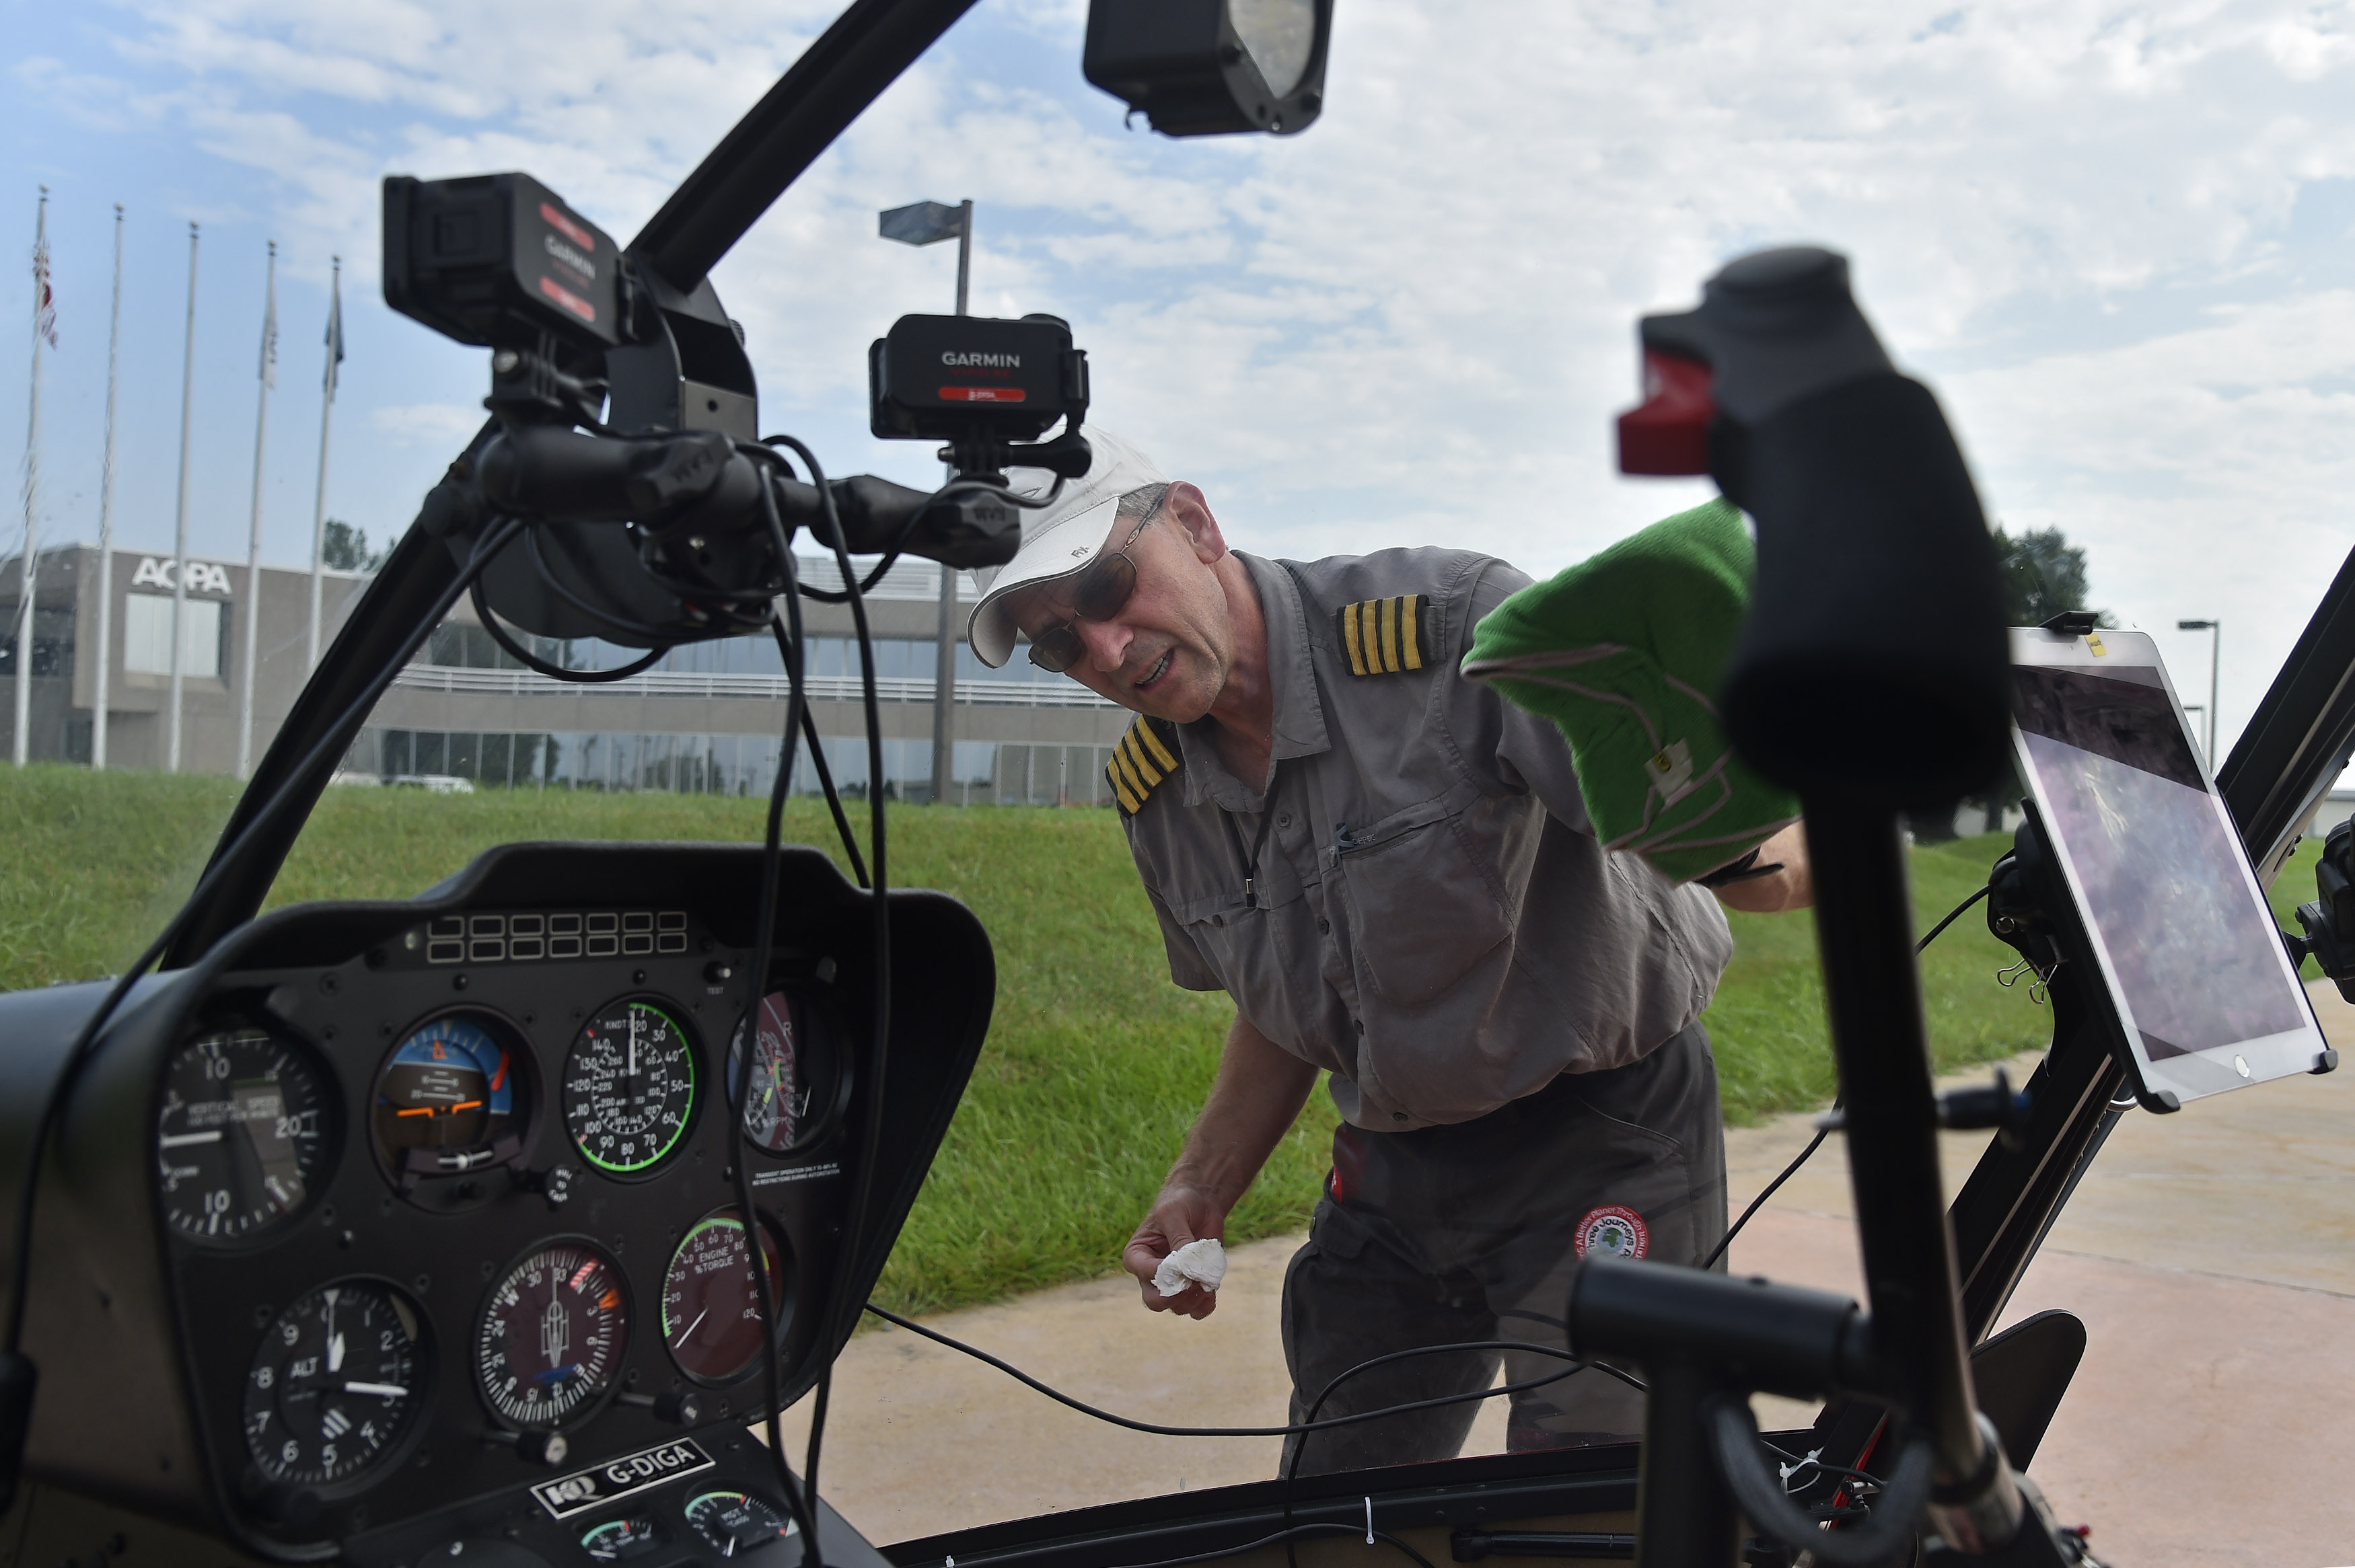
1254	948
1421	912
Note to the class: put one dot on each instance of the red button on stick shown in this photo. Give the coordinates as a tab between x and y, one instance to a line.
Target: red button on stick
982	395
1669	433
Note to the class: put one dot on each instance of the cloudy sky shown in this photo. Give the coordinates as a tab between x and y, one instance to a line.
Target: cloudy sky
2114	236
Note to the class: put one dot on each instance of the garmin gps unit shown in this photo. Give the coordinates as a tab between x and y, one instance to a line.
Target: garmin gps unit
2174	920
482	257
976	378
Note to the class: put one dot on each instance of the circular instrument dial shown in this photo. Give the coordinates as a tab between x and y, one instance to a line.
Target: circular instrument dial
710	1315
552	1336
449	1098
336	1382
794	1068
242	1136
622	1541
629	1087
736	1523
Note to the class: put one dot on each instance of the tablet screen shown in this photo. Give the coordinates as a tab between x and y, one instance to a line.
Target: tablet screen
2165	887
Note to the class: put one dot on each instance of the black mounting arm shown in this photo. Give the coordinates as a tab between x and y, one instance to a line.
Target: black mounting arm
835	79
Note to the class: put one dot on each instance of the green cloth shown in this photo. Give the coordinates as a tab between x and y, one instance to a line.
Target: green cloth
1623	653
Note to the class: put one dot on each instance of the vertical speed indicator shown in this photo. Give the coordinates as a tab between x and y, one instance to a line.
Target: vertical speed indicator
241	1136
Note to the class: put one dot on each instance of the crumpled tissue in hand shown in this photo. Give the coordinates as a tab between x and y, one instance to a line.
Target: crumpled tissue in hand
1202	1263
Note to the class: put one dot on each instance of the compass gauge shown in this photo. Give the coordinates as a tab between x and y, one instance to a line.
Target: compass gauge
552	1336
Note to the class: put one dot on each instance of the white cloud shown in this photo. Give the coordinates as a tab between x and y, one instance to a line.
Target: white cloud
446	426
1416	321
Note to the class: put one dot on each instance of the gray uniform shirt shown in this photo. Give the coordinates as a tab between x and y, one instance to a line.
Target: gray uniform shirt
1431	921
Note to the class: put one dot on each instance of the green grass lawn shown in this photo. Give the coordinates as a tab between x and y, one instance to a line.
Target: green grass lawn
1095	1064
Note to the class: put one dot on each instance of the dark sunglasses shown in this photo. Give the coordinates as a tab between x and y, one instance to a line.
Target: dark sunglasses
1102	592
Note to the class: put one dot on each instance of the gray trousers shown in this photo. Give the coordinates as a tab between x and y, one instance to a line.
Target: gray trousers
1471	1232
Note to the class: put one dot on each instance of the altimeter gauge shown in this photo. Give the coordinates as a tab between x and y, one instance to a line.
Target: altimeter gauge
336	1383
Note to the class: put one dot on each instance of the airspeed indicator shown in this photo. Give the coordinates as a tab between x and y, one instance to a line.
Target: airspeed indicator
629	1087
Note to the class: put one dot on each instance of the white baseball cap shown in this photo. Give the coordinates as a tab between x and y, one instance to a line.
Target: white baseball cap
1058	541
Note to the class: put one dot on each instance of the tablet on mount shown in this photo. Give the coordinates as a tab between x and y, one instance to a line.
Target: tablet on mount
2175	921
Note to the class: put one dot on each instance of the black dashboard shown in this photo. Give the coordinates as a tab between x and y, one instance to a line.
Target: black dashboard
445	1250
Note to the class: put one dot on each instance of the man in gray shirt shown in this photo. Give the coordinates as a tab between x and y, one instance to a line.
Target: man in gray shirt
1389	869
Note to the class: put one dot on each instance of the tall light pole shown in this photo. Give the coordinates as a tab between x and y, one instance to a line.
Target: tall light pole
926	223
2215	658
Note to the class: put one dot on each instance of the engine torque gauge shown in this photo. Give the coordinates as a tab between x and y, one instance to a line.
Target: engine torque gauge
737	1523
552	1336
448	1099
243	1135
336	1383
710	1316
629	1087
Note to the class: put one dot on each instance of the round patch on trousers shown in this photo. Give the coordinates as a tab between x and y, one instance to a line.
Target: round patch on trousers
1612	1232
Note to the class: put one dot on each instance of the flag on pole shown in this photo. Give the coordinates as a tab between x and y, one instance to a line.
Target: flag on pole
270	330
44	303
335	331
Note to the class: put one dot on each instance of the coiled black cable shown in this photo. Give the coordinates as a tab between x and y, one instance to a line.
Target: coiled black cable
1734	1443
538	666
1816	1142
835	1320
1157	1429
766	1291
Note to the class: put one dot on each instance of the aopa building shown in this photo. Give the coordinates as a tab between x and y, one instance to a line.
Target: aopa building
705	719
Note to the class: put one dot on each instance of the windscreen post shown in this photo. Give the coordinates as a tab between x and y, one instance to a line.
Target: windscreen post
1864	924
1684	1511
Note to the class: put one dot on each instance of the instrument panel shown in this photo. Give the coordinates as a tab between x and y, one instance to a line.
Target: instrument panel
442	1197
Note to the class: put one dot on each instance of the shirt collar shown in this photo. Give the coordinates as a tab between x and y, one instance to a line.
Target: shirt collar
1299	718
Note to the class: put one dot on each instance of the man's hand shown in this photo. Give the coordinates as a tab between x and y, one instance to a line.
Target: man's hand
1793	887
1260	1088
1180	1215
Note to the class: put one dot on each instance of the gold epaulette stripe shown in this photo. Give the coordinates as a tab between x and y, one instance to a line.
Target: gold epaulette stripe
1384	636
1139	763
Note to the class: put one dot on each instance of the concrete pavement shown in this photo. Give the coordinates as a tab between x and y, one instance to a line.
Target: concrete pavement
2211	1255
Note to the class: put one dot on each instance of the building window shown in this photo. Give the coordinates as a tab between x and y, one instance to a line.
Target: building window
147	635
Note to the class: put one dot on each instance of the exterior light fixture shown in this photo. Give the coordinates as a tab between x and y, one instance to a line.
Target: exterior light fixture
1203	67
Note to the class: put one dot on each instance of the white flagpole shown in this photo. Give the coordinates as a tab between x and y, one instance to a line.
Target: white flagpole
326	408
105	653
252	614
180	520
44	327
